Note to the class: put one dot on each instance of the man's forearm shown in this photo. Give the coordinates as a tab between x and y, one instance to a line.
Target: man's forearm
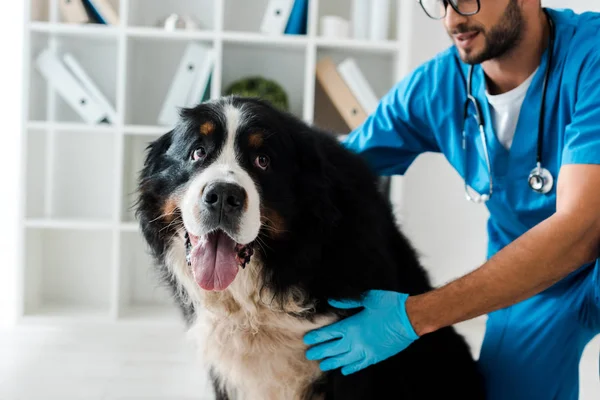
529	265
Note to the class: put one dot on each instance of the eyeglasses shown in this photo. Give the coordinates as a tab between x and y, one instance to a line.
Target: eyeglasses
436	9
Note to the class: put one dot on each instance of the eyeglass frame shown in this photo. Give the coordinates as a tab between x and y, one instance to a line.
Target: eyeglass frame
455	8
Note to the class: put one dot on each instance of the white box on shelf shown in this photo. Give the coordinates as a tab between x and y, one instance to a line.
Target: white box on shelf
359	18
379	19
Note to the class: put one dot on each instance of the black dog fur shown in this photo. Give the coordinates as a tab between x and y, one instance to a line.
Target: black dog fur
341	239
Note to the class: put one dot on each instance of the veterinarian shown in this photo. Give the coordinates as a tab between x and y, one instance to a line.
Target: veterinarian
523	84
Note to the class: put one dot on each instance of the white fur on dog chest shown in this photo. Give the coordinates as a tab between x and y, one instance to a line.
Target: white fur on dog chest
257	352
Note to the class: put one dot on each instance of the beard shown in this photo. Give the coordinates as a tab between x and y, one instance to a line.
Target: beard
499	39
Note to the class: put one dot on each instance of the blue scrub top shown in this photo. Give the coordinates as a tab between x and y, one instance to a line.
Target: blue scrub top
424	113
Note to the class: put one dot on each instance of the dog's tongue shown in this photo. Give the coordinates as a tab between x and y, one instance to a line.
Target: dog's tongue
213	261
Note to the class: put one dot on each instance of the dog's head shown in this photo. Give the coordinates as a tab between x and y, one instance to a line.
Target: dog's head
234	178
238	180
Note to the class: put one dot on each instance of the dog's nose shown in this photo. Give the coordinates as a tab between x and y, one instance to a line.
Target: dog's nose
224	197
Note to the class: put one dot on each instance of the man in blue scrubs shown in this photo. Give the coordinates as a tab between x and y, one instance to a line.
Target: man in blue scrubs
540	286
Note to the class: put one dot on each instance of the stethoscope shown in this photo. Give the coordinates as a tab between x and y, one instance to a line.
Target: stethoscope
540	179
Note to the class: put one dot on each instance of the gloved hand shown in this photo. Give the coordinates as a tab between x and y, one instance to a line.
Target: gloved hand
381	330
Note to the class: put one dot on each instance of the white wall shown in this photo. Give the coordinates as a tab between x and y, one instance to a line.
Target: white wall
448	230
11	26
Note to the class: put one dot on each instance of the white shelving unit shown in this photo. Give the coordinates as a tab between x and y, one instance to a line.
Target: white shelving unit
83	255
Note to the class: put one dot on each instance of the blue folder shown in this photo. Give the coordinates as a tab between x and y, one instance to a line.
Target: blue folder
298	19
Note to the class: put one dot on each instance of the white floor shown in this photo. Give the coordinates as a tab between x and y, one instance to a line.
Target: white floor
135	362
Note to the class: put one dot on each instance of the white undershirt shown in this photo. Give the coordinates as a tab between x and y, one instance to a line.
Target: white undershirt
505	109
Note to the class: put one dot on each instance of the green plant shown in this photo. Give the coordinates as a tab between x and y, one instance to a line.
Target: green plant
256	86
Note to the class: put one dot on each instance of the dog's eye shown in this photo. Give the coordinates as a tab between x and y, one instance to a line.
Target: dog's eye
262	162
199	153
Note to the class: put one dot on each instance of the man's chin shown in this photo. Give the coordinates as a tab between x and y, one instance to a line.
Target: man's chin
470	56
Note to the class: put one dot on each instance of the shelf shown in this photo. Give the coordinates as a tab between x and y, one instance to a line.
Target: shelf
80	30
157	33
67	272
146	130
243	15
67	224
141	285
378	69
151	13
134	148
259	38
66	313
97	59
84	255
71	127
366	46
70	175
288	72
343	9
152	66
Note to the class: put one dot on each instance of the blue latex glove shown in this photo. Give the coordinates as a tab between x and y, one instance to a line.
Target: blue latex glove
381	330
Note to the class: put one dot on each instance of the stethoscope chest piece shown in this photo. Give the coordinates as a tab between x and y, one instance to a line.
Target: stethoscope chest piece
541	180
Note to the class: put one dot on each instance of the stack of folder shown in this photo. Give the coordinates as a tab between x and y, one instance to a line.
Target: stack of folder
348	89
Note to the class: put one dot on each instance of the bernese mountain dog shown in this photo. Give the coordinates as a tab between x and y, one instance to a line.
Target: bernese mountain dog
256	219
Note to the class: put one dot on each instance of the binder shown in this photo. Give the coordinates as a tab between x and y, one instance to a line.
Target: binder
339	93
298	20
102	11
69	88
73	11
358	84
184	87
276	17
89	85
202	81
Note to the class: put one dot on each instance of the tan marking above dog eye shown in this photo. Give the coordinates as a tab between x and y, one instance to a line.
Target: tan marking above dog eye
207	128
255	140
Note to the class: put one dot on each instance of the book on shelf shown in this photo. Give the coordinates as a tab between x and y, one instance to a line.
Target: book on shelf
358	84
339	93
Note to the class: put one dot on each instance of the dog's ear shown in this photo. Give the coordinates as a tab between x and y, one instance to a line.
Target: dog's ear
155	151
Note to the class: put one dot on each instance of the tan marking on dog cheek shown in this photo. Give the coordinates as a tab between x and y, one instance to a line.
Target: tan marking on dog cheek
274	221
207	128
170	209
255	140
